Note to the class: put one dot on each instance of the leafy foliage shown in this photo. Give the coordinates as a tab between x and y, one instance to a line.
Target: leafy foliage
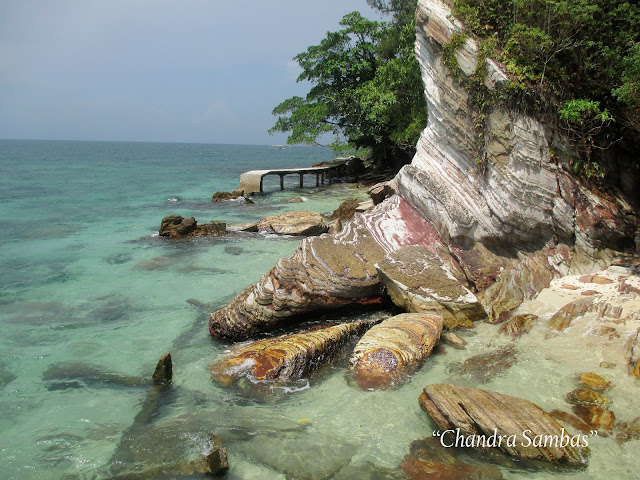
584	53
366	87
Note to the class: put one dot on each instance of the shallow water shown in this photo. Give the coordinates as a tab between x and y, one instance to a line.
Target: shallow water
90	299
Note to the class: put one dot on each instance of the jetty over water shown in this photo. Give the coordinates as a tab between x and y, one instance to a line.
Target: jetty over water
251	182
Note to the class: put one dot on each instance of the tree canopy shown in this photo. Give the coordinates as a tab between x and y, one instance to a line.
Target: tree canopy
366	87
585	54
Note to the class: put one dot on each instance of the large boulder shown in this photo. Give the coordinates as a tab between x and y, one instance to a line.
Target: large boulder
293	223
394	348
485	420
328	271
287	357
418	280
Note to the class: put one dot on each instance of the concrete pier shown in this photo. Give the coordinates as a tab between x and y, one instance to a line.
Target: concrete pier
251	182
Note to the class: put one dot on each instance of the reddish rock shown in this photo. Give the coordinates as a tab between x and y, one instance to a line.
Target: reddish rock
598	418
394	348
595	279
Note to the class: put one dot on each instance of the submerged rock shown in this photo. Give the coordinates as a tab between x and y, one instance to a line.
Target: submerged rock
429	460
418	280
164	370
518	324
594	381
598	418
88	374
328	271
453	340
175	226
588	397
293	223
287	357
628	431
483	367
522	429
392	349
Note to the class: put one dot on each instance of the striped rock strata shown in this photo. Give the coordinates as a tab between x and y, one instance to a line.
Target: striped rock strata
524	194
328	271
418	281
478	414
392	349
287	357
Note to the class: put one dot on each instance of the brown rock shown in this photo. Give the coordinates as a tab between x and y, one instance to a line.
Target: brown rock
594	381
453	340
429	460
417	280
595	279
216	460
295	200
392	349
164	370
479	413
482	368
634	354
175	226
569	419
597	418
587	397
328	271
287	357
381	191
563	317
221	196
628	431
518	324
346	210
293	223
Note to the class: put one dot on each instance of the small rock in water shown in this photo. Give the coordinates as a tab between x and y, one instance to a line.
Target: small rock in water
628	431
608	365
598	418
588	397
164	370
216	460
295	200
482	368
518	325
594	381
453	340
231	250
570	419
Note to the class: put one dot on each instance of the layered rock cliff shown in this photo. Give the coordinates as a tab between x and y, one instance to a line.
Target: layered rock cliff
476	220
521	194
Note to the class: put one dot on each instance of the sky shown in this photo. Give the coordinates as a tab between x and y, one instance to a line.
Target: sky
205	71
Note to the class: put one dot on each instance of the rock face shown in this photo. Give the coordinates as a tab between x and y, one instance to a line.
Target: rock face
287	357
392	349
328	271
523	195
418	280
293	223
478	414
175	226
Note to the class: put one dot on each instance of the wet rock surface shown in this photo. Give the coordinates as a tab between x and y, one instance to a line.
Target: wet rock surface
325	272
481	413
287	357
429	460
175	226
293	223
484	367
418	279
164	370
392	349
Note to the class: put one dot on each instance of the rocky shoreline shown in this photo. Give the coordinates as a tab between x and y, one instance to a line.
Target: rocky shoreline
453	245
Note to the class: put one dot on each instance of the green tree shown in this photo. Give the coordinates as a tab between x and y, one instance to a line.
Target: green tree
366	89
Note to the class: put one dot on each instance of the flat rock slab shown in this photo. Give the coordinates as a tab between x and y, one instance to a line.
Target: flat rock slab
293	223
525	430
287	357
392	349
418	280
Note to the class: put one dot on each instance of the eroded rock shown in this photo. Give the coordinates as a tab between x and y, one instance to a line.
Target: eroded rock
478	413
417	280
287	357
164	370
328	271
175	226
392	349
598	418
293	223
588	397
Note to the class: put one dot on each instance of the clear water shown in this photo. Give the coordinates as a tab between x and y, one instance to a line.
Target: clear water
90	299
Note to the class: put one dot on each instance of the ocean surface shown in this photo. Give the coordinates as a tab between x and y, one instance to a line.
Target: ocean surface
91	297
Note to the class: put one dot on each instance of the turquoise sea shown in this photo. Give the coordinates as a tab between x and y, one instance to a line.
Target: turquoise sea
91	297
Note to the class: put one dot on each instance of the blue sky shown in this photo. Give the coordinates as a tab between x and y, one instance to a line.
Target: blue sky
155	70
